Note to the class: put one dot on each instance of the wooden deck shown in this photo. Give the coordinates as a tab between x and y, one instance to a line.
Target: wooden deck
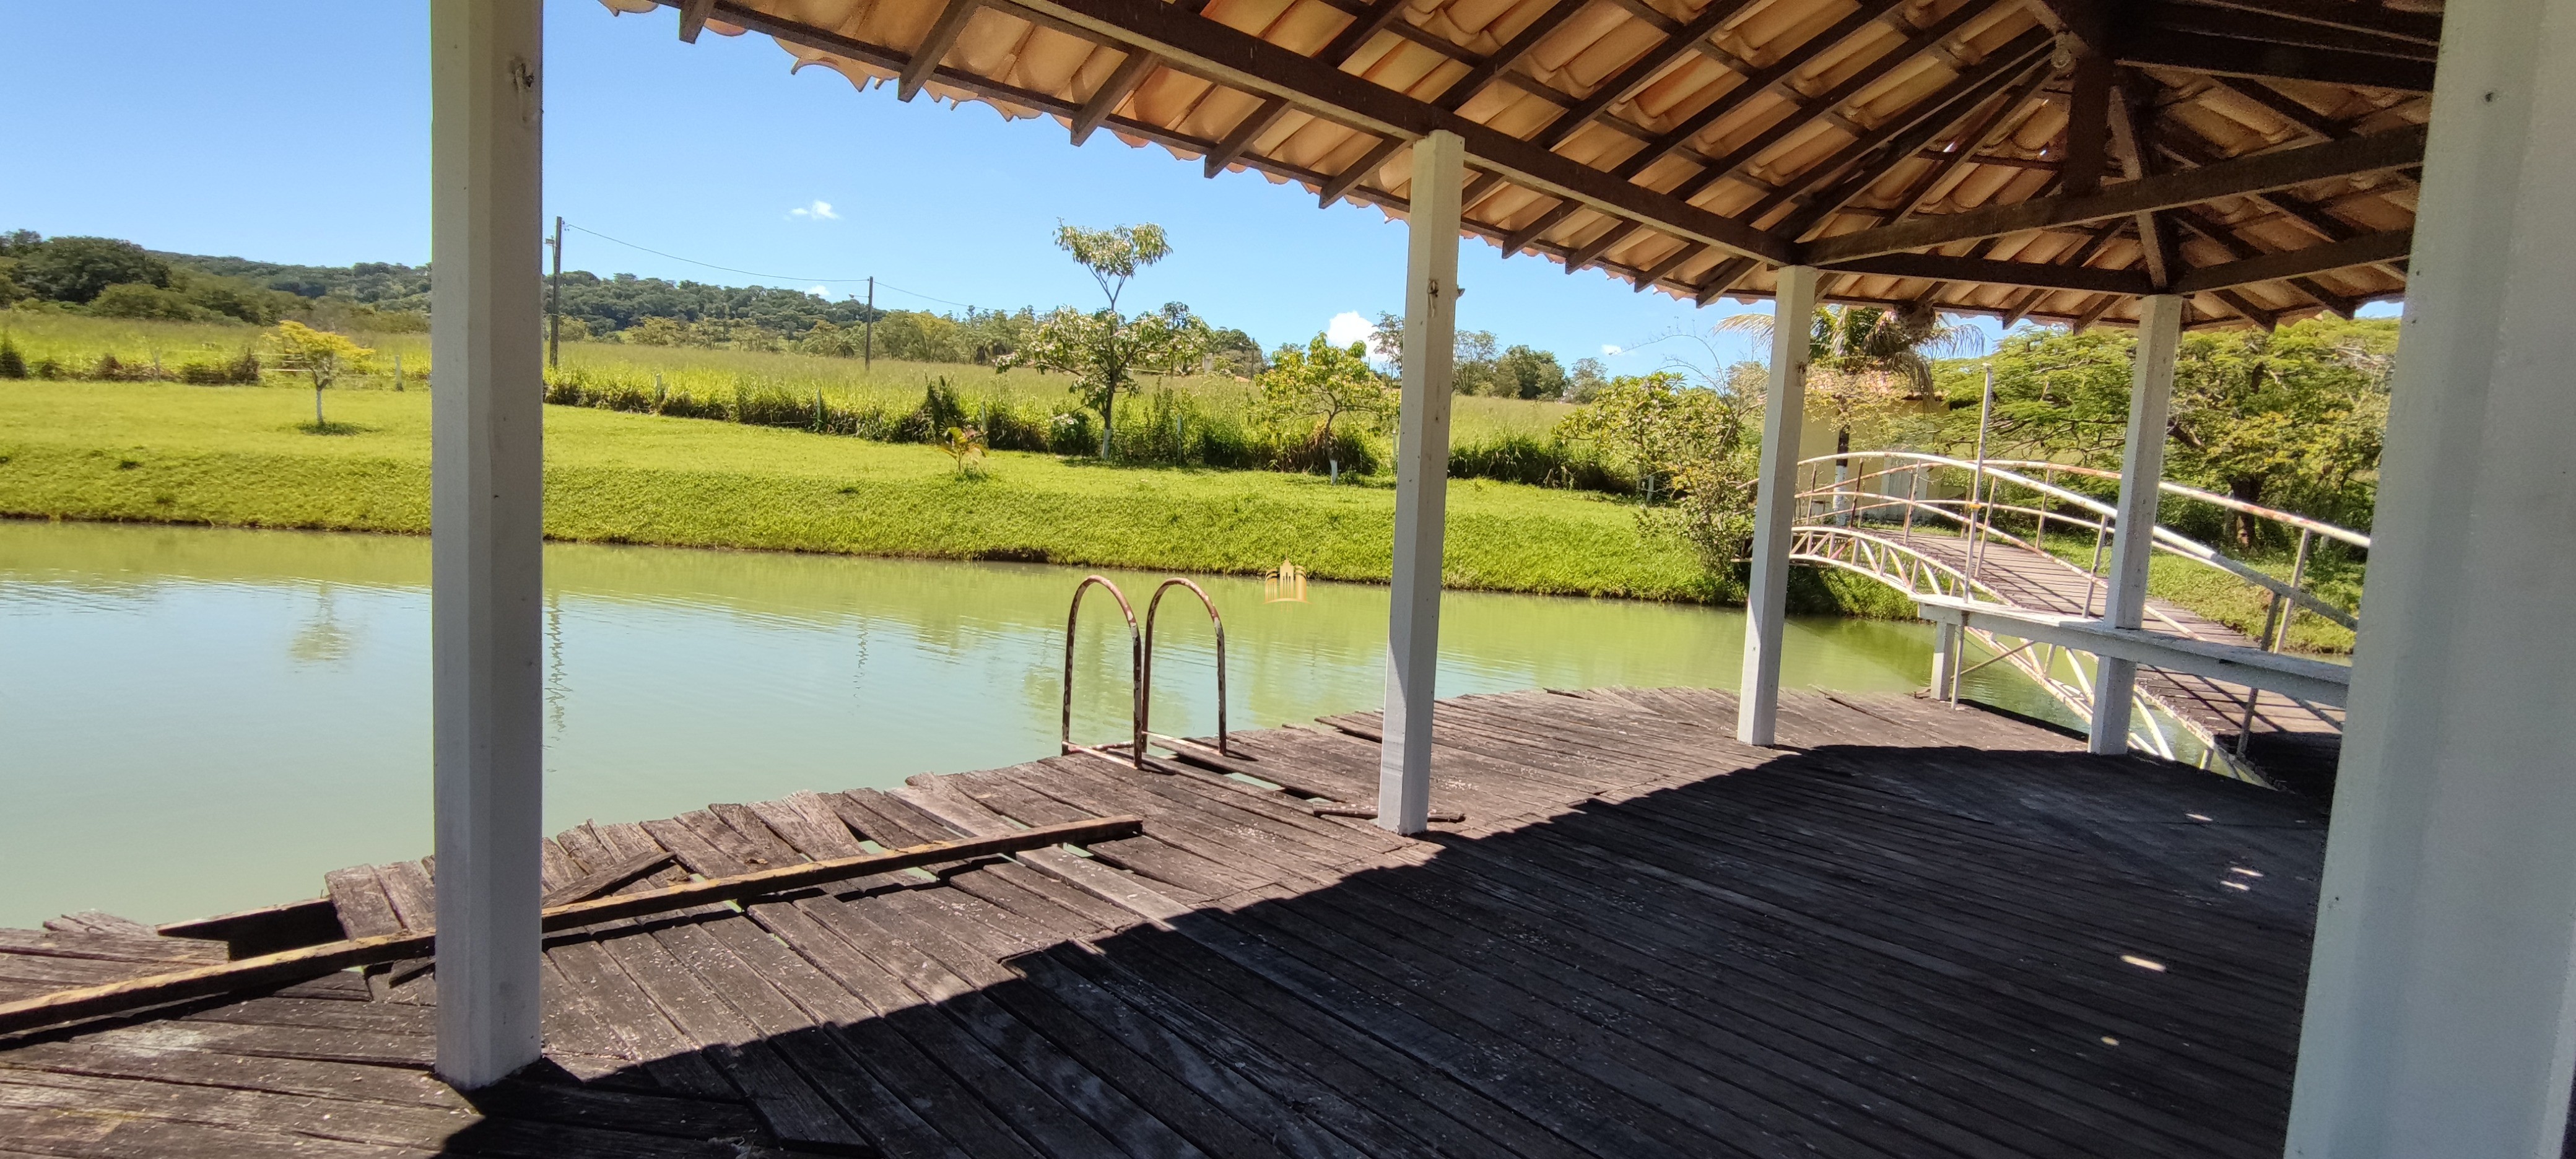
1922	931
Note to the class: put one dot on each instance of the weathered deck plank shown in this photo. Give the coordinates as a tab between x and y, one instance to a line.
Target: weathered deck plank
1912	930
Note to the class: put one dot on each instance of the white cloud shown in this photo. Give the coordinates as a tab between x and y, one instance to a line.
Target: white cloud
820	210
1612	349
1348	327
819	291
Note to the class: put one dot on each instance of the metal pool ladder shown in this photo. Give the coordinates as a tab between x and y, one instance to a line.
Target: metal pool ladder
1140	676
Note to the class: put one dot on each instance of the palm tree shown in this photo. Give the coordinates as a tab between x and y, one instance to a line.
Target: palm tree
1864	361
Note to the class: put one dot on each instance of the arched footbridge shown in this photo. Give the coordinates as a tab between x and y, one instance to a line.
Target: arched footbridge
1974	563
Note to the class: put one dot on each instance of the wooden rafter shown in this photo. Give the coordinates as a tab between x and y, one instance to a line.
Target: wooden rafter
1466	88
1344	45
2368	249
2041	275
1112	93
2261	27
1243	61
2235	177
1646	67
2316	124
2088	125
1899	137
934	47
2199	220
2128	143
2203	52
693	18
1803	113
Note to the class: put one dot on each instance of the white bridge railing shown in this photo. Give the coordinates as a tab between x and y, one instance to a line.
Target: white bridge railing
1859	513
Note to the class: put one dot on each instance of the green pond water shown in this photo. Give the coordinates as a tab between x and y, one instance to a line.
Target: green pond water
195	720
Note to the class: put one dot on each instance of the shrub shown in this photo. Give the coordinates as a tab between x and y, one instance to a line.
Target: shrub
1518	457
138	300
110	368
240	371
939	410
12	363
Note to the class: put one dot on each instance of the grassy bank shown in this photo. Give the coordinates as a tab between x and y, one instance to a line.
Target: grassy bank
237	456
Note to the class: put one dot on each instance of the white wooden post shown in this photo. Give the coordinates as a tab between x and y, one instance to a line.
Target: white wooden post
487	352
2133	543
1945	660
1421	482
1775	510
2440	1006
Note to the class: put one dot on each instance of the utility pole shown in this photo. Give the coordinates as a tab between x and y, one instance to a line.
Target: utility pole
868	358
554	300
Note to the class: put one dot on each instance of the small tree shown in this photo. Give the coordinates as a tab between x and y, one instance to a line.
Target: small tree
1320	385
1865	362
1103	350
321	355
12	363
965	446
1687	442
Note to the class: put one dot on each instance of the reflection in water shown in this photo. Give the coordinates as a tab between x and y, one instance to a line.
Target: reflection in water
197	720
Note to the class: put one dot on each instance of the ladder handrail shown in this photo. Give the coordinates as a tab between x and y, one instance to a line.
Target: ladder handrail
1135	672
1145	694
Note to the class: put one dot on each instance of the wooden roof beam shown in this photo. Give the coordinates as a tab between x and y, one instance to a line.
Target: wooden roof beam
1806	110
2155	241
2261	27
2368	249
2235	177
1899	136
934	47
1921	124
1964	147
1344	45
1112	93
1645	68
2314	123
1902	135
1986	271
2199	220
2088	125
1464	89
2424	28
1240	60
693	18
2202	52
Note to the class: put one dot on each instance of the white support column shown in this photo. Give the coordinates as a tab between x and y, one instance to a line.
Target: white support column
487	354
2441	1018
2133	542
1421	482
1775	510
1945	660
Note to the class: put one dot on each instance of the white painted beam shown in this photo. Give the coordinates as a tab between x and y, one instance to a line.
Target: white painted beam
2299	678
1775	506
2440	1005
1421	481
2133	543
487	358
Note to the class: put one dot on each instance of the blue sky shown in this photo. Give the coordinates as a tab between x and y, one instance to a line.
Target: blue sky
300	134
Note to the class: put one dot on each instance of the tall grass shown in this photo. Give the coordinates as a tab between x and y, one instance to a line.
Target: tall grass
1181	421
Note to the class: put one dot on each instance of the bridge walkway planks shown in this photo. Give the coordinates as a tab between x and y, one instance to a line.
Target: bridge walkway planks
2042	583
1917	932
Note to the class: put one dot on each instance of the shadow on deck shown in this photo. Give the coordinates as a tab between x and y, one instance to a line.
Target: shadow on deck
1985	943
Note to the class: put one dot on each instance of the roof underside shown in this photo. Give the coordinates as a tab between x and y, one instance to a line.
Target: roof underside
2048	159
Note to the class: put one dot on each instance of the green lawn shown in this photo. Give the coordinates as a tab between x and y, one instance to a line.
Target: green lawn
235	456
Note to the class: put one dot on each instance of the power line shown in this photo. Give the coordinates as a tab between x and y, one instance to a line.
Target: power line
780	277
